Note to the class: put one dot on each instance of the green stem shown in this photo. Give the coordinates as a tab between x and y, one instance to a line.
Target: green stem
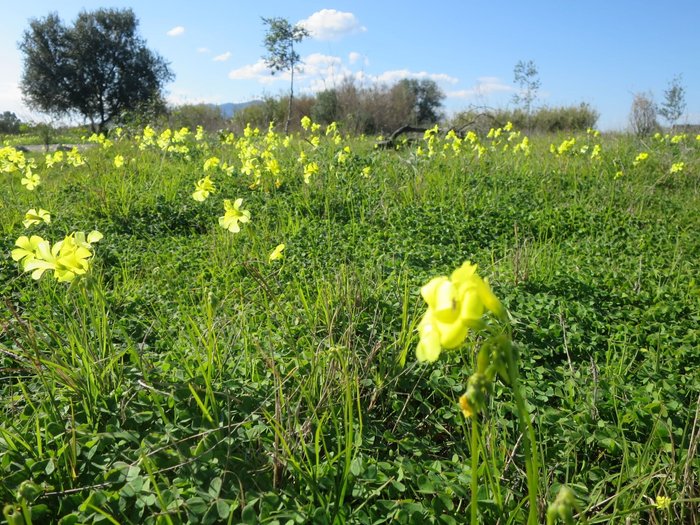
475	467
529	442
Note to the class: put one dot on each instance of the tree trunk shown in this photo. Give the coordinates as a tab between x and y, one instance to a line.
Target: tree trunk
289	108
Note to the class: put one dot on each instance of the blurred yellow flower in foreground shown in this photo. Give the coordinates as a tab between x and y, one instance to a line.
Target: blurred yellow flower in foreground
455	304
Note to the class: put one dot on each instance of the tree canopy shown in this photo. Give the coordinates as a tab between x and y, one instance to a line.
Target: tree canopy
279	43
98	68
424	98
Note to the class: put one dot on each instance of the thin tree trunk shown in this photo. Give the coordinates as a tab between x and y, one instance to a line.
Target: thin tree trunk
289	108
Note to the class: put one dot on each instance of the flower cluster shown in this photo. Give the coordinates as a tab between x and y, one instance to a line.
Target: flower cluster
68	258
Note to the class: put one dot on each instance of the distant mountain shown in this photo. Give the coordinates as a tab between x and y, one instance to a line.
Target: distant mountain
229	109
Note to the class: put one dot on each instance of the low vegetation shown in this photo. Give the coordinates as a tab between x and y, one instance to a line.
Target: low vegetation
253	328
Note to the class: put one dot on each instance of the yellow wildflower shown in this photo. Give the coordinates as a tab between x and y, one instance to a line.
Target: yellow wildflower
310	169
663	502
455	304
33	217
276	253
305	122
30	180
203	189
677	167
233	215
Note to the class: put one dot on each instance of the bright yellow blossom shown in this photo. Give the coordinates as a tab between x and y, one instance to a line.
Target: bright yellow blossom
30	180
211	163
233	215
203	189
276	253
677	167
310	169
118	161
455	304
640	158
67	258
663	502
33	217
305	122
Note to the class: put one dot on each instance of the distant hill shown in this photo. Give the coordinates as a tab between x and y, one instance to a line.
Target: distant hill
229	109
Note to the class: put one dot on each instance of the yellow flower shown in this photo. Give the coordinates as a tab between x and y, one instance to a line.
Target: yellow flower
276	253
233	215
203	188
33	217
27	248
30	180
455	304
305	122
466	407
640	158
118	161
68	258
74	158
366	171
663	502
211	163
310	169
273	166
677	167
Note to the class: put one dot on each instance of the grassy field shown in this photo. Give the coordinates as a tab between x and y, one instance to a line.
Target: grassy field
187	368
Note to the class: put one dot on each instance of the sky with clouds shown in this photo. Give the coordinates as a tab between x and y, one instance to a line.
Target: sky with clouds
597	52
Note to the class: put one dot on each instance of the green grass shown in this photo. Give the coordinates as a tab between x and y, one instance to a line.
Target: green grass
188	379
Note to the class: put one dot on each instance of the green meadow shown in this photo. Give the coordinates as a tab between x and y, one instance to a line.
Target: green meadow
182	366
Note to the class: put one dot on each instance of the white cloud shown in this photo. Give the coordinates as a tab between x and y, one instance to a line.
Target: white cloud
389	77
176	31
203	50
484	86
222	57
318	72
330	24
354	57
257	71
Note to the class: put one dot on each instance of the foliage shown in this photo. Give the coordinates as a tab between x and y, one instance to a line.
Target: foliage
199	372
98	67
9	123
209	116
643	115
544	119
674	104
526	77
280	38
424	97
326	108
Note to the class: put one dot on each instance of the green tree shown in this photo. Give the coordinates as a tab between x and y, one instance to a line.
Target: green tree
326	108
98	68
9	123
674	104
425	97
279	42
526	76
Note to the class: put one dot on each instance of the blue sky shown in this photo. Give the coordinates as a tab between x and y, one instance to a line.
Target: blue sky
593	51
